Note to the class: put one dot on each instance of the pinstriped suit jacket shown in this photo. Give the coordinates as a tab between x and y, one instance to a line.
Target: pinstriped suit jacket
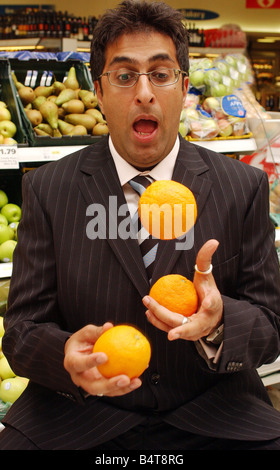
63	280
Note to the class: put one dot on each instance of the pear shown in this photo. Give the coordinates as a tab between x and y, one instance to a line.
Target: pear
58	87
52	98
40	132
96	114
71	80
34	116
74	106
64	127
44	90
100	129
45	127
39	100
88	98
81	119
26	94
3	104
79	130
61	112
16	82
57	133
49	111
65	95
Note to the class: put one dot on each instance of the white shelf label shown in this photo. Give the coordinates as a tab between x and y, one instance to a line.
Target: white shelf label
8	157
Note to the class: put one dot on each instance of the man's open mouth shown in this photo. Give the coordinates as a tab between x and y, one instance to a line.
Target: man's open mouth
145	127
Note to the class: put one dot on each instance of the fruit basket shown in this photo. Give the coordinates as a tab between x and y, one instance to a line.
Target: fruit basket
35	73
8	96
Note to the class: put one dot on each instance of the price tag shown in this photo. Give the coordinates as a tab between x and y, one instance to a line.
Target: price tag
8	157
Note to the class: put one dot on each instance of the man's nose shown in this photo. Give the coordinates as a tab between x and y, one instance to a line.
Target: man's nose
144	90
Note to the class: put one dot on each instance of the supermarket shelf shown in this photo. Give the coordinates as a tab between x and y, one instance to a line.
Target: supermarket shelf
6	270
70	44
11	157
270	373
240	146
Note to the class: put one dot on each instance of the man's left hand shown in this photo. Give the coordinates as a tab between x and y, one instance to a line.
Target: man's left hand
210	306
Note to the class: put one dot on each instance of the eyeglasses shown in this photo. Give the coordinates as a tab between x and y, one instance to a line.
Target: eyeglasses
128	78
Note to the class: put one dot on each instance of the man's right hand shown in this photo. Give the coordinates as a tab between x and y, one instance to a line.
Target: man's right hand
81	363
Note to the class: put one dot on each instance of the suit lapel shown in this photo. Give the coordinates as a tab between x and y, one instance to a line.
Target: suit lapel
189	170
100	185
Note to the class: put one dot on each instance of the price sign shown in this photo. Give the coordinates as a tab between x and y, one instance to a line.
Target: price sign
8	157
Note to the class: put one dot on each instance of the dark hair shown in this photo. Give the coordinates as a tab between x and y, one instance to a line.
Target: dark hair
134	16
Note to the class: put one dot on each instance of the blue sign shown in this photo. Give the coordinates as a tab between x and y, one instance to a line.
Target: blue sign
198	15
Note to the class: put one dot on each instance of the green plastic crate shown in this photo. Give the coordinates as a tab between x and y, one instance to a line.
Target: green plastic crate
8	95
36	72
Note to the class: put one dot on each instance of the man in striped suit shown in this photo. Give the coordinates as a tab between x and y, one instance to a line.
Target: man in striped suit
201	390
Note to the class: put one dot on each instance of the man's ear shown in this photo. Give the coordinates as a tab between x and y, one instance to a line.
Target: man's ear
186	87
99	95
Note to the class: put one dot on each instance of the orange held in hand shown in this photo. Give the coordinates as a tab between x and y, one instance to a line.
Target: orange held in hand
128	351
176	293
167	209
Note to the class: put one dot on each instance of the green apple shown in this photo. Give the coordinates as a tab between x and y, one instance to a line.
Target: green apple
6	371
183	129
1	352
9	141
6	233
11	389
14	226
197	78
3	198
3	220
219	90
7	128
5	114
7	250
2	331
12	212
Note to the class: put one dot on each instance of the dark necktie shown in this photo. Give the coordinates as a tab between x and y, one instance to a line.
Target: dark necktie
148	244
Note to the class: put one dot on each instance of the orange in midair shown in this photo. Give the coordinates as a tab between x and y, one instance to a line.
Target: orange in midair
167	209
128	351
177	293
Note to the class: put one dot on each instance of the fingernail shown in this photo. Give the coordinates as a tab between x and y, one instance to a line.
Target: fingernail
122	383
173	336
134	385
146	301
100	359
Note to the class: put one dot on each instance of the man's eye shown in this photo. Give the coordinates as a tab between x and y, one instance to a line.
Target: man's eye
124	77
160	75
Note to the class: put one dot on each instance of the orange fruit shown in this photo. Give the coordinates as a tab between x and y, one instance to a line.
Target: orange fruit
177	293
167	209
128	351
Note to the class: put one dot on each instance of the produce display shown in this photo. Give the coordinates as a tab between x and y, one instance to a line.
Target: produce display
11	385
8	128
10	215
213	108
62	108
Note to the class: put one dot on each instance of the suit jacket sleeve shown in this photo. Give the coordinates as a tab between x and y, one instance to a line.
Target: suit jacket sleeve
34	341
251	320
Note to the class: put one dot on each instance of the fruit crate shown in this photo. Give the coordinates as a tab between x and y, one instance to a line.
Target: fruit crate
8	95
36	72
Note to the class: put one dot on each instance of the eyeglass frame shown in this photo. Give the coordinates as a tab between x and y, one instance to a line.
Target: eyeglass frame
148	74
